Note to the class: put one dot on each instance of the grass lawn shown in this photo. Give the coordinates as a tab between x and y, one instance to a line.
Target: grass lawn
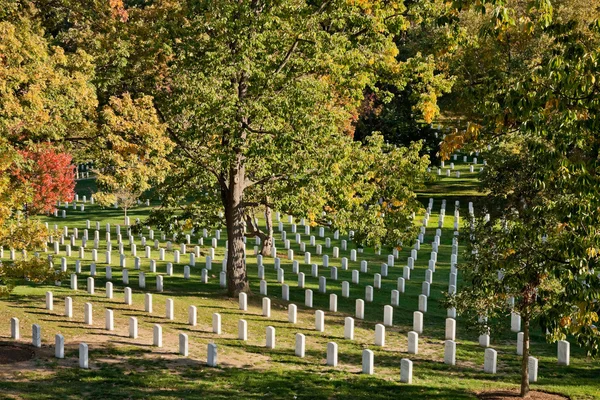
122	367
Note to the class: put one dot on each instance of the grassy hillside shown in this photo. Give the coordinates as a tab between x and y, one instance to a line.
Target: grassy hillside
132	368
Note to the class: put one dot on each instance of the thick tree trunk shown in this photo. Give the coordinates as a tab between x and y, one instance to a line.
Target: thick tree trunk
525	361
237	279
267	244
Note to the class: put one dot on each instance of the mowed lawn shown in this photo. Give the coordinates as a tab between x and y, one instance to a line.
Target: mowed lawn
121	367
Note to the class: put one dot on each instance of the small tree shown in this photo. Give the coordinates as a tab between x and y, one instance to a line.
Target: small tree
510	269
123	198
48	174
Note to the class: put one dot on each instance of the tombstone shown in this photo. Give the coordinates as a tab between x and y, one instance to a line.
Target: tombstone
564	352
401	284
242	330
429	275
322	284
484	340
388	316
83	355
450	333
169	309
280	275
90	285
520	343
418	322
204	276
406	273
360	309
307	258
183	344
266	307
413	342
344	263
452	280
270	333
369	293
68	307
450	352
128	299
243	301
301	280
157	335
422	303
285	292
109	320
263	287
334	273
133	327
300	345
211	355
384	270
425	289
216	323
379	335
377	281
345	289
88	316
490	361
332	354
59	346
73	282
533	369
367	362
406	367
515	322
355	276
36	335
292	313
14	329
208	263
319	321
49	301
333	302
353	255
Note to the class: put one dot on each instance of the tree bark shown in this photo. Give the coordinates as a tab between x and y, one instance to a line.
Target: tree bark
525	361
267	244
237	279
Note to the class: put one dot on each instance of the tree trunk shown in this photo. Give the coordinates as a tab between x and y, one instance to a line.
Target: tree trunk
237	279
525	361
267	244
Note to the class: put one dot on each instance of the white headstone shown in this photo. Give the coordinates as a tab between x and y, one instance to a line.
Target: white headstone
83	355
490	361
216	323
406	370
332	354
270	337
367	362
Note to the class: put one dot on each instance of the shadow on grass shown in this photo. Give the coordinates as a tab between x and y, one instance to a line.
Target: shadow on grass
194	380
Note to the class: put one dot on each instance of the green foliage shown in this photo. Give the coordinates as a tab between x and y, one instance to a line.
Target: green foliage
131	152
45	97
45	94
538	111
34	270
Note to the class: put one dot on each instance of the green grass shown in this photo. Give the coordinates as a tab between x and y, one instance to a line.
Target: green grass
128	368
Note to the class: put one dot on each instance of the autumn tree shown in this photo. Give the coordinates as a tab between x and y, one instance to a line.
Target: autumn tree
48	174
131	151
45	96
